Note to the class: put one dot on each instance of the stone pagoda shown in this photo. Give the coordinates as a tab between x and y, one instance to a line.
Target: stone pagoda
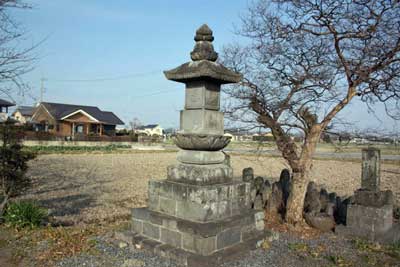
199	215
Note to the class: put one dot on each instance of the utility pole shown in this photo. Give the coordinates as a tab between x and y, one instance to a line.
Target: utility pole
42	80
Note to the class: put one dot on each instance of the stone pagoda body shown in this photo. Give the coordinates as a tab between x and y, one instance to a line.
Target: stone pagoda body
199	215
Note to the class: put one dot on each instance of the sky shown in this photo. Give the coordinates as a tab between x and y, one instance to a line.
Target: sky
112	54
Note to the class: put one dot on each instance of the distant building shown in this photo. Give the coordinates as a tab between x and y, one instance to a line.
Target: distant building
70	120
23	114
150	130
4	105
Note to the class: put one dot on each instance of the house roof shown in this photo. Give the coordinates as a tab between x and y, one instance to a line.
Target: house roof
5	103
149	126
59	111
25	110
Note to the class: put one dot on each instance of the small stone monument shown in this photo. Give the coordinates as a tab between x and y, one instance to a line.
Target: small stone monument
199	215
370	215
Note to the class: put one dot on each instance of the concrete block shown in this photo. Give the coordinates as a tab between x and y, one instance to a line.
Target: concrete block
199	245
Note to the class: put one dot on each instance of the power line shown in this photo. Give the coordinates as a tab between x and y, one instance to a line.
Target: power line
113	78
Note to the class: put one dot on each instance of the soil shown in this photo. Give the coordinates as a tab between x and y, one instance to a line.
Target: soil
101	188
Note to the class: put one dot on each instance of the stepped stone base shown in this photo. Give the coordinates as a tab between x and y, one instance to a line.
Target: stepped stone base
197	244
200	203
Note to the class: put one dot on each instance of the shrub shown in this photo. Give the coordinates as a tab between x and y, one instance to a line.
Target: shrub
24	214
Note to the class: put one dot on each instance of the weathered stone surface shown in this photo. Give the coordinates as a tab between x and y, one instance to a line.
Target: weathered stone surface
285	181
204	142
373	198
312	202
320	221
228	237
151	230
258	183
200	203
369	222
202	94
275	205
202	121
200	157
323	199
248	175
370	174
258	202
172	238
200	174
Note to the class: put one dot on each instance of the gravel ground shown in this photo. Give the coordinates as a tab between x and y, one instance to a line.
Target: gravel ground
96	188
109	255
284	250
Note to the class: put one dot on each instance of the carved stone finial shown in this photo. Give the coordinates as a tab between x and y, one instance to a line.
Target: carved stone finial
204	50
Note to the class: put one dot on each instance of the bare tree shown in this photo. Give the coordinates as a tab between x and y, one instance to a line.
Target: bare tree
15	59
135	124
304	62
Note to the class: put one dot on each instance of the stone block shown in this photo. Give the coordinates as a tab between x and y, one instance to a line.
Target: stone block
200	174
200	157
140	214
173	238
201	203
137	226
202	94
151	230
373	198
199	245
201	121
168	206
369	222
228	237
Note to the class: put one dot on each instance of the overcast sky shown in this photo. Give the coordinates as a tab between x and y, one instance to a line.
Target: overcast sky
124	46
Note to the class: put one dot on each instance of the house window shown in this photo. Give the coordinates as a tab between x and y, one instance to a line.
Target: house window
57	127
79	128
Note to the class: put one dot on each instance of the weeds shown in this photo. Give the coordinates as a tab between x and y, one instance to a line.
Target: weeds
24	214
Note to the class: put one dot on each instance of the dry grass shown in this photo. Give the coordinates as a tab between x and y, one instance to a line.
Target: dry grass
101	188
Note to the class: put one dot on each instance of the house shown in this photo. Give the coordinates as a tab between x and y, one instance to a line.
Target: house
71	120
150	130
23	114
4	105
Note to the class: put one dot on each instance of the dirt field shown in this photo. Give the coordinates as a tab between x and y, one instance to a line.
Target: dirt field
94	188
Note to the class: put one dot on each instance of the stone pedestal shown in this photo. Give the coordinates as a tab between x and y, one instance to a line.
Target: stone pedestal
370	215
199	215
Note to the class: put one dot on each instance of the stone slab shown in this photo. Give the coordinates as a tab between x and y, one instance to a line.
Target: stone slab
200	174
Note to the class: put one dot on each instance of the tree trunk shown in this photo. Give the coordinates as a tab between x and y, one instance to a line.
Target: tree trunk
295	203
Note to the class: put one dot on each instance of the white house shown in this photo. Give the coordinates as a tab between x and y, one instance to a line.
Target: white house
150	130
23	114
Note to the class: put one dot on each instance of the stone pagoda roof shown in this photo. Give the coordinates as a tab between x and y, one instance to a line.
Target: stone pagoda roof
204	65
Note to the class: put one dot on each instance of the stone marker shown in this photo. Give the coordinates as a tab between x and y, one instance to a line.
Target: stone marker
371	170
370	211
199	215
